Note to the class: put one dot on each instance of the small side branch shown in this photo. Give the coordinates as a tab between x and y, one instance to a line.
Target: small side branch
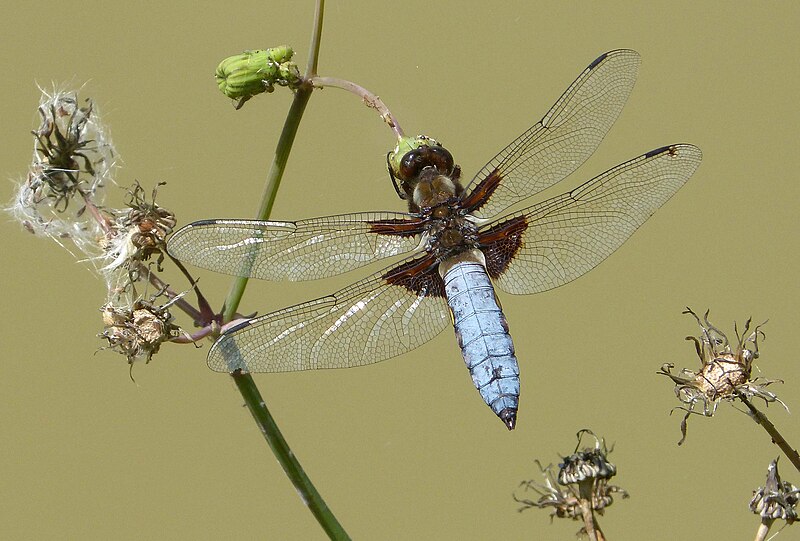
370	100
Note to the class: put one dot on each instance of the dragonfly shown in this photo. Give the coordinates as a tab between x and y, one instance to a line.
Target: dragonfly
460	241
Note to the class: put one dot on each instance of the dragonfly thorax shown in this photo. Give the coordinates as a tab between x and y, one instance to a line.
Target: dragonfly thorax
450	235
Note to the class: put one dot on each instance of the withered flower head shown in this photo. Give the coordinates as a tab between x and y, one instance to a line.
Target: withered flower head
139	330
581	482
776	499
586	464
71	153
563	502
73	158
725	372
139	232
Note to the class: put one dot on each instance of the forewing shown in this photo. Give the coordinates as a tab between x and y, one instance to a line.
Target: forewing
558	240
567	135
389	313
303	250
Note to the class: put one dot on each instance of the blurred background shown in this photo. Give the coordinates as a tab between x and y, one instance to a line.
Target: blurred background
403	449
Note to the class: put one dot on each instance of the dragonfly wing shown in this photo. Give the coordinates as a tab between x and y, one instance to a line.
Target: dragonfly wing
389	313
558	144
303	250
558	240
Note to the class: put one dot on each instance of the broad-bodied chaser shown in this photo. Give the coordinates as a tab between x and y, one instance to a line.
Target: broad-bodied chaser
459	248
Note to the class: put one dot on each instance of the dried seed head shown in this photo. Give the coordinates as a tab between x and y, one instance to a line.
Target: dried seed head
138	233
776	499
582	476
719	377
588	464
725	371
73	158
72	153
563	502
583	465
138	332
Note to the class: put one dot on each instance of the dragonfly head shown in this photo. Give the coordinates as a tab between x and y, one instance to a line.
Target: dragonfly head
420	159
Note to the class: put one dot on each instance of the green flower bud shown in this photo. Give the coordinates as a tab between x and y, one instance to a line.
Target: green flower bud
242	76
281	54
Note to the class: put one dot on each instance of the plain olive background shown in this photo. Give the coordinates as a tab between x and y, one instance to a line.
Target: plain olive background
404	449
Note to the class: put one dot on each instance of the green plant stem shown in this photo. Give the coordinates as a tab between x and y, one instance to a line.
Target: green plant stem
316	39
274	177
284	147
287	460
244	382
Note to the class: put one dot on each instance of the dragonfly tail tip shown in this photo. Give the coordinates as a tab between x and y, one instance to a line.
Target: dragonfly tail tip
509	417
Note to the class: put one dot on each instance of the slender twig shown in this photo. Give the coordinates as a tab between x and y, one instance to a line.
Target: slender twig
776	436
244	382
204	315
193	338
162	286
101	219
370	99
274	177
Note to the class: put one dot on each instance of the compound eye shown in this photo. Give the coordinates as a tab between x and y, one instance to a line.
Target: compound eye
411	164
416	160
441	158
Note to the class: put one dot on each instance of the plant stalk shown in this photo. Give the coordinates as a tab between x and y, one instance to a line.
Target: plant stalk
286	458
585	498
244	382
763	529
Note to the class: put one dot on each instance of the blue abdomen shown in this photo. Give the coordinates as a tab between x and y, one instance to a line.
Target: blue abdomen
482	334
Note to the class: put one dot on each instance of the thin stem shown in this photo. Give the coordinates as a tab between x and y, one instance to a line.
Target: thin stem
273	183
776	436
763	529
585	490
102	220
244	382
588	520
286	457
211	329
316	39
370	100
187	308
193	338
284	147
205	314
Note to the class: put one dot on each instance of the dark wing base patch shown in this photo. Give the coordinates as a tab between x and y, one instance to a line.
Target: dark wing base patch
500	244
